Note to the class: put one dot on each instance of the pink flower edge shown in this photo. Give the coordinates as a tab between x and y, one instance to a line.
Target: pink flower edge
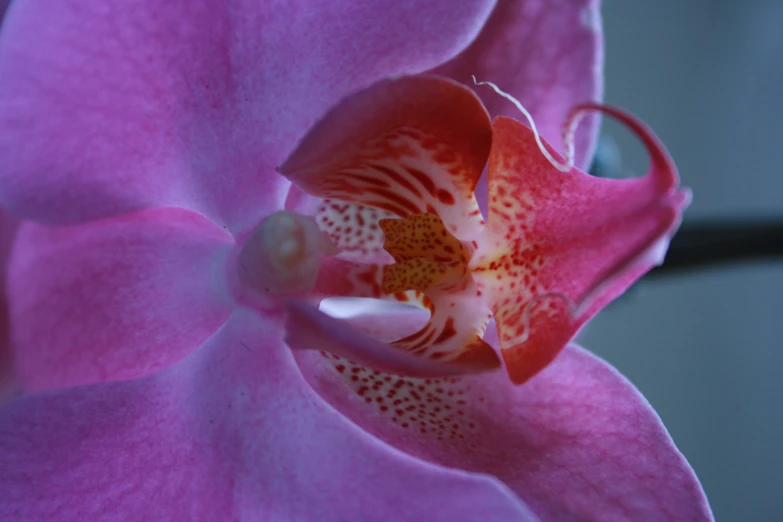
577	441
232	431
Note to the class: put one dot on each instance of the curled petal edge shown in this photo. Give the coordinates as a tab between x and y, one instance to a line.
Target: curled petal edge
665	200
307	328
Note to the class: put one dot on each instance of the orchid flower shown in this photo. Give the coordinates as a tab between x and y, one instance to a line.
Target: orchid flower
164	292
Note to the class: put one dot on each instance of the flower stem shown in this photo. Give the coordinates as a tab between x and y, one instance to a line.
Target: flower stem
712	243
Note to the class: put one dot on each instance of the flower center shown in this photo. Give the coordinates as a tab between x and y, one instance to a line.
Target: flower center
426	255
283	254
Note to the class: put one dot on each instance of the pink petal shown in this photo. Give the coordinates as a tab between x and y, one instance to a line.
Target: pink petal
406	146
561	245
115	299
548	55
232	432
109	107
577	442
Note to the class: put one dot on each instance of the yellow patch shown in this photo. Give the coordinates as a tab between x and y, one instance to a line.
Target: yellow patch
426	254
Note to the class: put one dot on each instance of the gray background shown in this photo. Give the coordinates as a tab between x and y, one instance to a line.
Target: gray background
705	348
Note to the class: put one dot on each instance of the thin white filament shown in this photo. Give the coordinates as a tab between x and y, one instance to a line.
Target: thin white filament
567	139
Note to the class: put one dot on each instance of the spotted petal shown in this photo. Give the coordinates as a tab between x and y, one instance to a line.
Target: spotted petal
577	442
561	245
230	433
406	146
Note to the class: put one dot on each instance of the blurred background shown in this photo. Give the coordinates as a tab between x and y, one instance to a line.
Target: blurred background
705	347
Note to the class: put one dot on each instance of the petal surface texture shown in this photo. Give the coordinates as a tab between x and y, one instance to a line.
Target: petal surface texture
111	107
548	54
560	245
577	442
117	298
230	433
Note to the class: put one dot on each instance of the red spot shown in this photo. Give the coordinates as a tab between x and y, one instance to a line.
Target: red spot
398	179
445	197
415	336
399	200
447	333
383	205
423	342
422	178
368	179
